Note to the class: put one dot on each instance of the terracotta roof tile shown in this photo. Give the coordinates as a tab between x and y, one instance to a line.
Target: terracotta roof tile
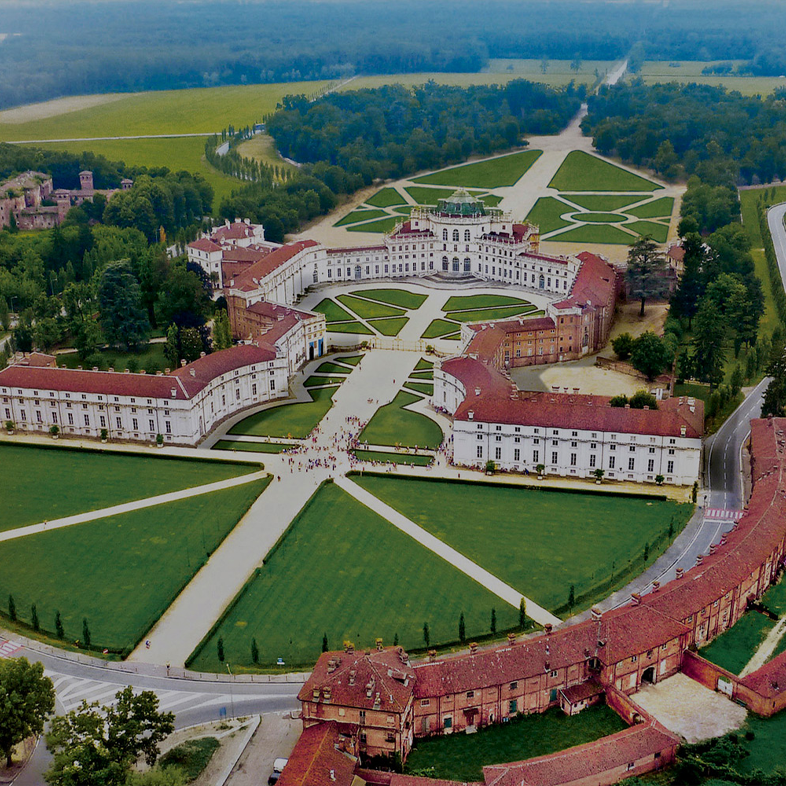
317	761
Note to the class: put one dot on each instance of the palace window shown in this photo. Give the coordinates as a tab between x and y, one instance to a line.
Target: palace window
631	463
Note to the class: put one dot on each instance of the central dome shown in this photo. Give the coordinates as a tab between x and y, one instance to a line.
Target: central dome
461	203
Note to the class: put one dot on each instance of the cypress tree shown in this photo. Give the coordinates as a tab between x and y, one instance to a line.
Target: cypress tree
220	648
395	639
254	651
426	634
572	596
523	614
85	632
493	620
34	618
324	642
59	626
11	608
462	629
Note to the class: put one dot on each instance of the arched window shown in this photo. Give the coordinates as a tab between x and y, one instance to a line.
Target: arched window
455	235
467	265
445	262
466	236
444	234
455	264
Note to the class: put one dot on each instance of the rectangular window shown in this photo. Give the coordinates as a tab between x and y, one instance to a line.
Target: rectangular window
631	463
497	453
480	451
151	425
612	462
536	456
651	465
448	722
134	424
554	457
517	455
272	384
513	707
670	467
119	422
593	457
168	426
254	389
573	458
54	417
102	421
70	418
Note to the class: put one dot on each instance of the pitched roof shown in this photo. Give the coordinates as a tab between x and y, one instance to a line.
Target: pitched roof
474	374
198	375
770	680
256	272
204	244
317	761
595	284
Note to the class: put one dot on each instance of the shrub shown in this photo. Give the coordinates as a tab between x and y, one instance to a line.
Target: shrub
623	345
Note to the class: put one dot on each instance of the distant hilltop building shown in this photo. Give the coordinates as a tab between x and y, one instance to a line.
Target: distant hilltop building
34	204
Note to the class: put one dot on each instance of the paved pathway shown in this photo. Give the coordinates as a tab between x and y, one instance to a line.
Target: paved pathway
127	507
449	554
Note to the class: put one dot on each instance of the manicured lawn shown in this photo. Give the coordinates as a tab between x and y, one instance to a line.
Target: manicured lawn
461	757
121	572
332	368
393	425
383	225
389	327
467	302
540	542
394	458
422	374
546	214
387	197
423	365
600	218
420	387
429	196
295	421
496	172
658	232
734	648
332	311
394	297
599	233
774	598
603	202
491	200
768	748
316	381
359	215
490	313
353	360
41	484
658	208
252	447
439	328
367	309
582	172
150	358
350	327
317	582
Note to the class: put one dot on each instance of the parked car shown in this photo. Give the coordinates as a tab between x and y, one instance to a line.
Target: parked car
278	766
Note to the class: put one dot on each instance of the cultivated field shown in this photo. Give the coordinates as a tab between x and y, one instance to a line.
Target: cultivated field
316	583
654	71
42	484
122	572
543	542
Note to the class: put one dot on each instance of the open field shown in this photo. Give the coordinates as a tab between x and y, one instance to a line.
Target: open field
393	425
734	648
501	171
659	208
539	542
461	757
295	421
316	582
43	483
582	172
658	232
654	71
121	572
262	148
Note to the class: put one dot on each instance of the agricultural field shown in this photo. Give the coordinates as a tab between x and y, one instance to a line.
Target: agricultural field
262	148
535	546
39	482
119	573
394	425
461	757
654	71
315	584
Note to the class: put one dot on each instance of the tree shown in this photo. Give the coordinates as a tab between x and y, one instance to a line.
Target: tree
646	270
59	631
619	401
255	651
572	596
11	608
123	319
690	288
523	613
190	344
325	647
222	331
85	633
575	64
462	629
641	399
172	346
27	699
707	344
34	618
623	345
774	402
220	648
182	298
426	634
493	626
651	355
98	745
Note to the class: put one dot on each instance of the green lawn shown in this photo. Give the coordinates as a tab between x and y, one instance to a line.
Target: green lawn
598	233
468	302
316	582
461	757
493	173
41	484
394	458
734	648
658	208
390	326
658	232
295	421
774	599
546	214
252	447
424	365
122	572
353	360
768	747
350	327
317	381
395	297
332	368
491	313
332	311
381	226
393	425
359	215
600	218
367	309
420	387
439	328
150	358
581	171
528	537
387	197
191	756
604	202
422	374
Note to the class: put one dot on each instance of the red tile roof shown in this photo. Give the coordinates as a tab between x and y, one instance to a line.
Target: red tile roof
317	761
770	680
595	284
204	244
476	374
522	324
198	375
486	342
237	230
37	359
272	261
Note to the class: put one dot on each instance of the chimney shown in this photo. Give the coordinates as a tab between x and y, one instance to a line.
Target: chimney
596	613
315	694
331	665
111	370
402	655
699	559
182	363
142	371
655	586
646	406
723	539
326	691
548	627
473	647
173	391
193	372
636	598
627	406
352	677
126	371
511	638
477	391
332	775
432	655
95	368
167	370
349	646
713	548
379	645
679	573
683	430
471	414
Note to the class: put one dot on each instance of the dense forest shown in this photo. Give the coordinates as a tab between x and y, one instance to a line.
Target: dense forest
392	131
71	47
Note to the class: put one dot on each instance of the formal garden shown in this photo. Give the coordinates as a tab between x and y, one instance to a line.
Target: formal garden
369	312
